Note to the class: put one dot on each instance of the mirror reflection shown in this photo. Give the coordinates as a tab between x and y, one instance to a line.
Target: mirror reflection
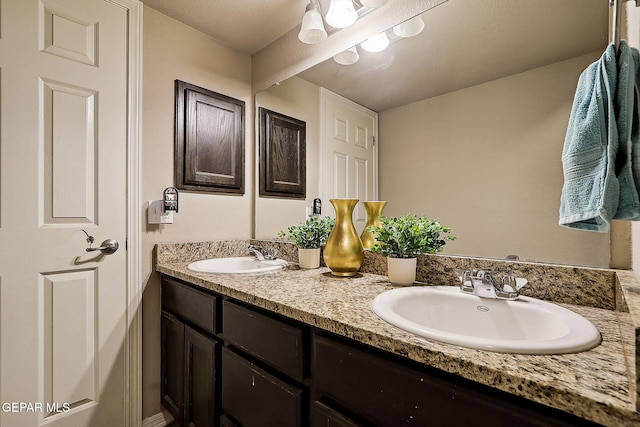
470	119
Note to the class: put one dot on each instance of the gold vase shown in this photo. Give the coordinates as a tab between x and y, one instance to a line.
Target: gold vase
343	252
374	210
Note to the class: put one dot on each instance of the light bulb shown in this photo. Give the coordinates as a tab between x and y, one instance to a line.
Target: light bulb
341	13
375	43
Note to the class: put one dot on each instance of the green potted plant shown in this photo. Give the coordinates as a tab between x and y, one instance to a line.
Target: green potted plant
310	236
402	239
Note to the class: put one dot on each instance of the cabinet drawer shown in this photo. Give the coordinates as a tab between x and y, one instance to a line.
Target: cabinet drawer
273	341
388	393
196	307
255	398
324	416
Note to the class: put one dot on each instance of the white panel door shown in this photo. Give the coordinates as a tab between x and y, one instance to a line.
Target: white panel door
63	169
349	154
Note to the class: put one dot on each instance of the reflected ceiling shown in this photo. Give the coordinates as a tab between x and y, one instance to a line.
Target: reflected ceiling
465	43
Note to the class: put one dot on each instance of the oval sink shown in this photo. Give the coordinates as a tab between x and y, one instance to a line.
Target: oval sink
237	265
525	325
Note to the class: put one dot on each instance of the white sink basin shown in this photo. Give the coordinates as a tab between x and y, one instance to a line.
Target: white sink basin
237	265
525	325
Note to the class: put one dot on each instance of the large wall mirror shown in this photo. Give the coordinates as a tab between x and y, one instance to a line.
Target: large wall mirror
472	115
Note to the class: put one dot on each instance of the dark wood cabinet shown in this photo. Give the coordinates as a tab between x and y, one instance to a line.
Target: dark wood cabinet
256	398
188	373
277	343
227	363
189	355
323	416
209	140
385	390
172	364
200	379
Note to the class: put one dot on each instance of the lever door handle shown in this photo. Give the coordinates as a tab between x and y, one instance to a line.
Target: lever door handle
107	247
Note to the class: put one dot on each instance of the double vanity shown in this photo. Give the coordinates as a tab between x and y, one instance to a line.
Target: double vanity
295	347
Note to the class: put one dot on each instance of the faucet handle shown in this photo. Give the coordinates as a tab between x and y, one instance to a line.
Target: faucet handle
270	253
466	280
263	253
509	283
510	286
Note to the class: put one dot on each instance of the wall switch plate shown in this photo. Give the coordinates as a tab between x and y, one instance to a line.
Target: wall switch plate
156	214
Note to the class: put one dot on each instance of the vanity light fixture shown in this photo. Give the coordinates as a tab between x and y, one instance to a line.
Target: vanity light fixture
312	30
347	57
409	28
376	43
341	13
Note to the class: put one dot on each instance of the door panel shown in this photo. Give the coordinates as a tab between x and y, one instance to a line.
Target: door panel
349	159
63	162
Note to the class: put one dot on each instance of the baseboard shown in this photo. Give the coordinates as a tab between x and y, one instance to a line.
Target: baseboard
161	419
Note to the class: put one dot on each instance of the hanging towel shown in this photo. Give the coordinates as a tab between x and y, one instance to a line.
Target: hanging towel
590	194
626	107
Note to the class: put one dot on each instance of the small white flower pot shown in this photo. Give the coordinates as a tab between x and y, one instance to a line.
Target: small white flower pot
401	271
309	258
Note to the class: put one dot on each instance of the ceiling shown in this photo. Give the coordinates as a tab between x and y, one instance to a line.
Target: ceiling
245	25
465	42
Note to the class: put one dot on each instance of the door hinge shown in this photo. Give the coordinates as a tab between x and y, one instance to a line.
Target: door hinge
126	244
374	141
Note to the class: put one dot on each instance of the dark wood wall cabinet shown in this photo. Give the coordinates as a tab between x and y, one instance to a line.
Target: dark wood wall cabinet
209	140
226	363
282	155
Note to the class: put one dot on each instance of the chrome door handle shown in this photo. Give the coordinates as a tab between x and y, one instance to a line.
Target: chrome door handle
107	247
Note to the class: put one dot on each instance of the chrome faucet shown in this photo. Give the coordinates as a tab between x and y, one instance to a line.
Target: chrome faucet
263	254
482	284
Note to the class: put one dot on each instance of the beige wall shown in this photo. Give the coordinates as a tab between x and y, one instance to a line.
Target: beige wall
174	51
486	161
299	99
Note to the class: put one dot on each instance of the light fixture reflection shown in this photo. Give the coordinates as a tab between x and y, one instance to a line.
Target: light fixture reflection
376	43
312	30
373	3
347	57
341	13
410	28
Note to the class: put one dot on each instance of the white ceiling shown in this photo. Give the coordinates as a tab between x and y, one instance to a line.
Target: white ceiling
465	42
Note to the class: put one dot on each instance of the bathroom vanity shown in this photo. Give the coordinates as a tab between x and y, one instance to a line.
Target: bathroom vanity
303	348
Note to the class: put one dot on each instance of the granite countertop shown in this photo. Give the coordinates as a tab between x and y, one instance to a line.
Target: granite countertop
598	385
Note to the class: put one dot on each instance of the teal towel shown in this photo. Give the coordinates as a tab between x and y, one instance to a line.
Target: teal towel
590	194
626	105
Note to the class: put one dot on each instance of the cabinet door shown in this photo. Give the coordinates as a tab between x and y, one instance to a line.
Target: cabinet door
324	416
200	379
172	365
256	398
